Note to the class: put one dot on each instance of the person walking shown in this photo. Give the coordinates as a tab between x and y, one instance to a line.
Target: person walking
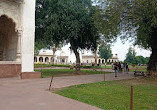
115	68
119	67
127	68
124	66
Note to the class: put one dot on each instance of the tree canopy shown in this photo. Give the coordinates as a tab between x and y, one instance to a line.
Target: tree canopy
142	60
131	56
135	19
70	21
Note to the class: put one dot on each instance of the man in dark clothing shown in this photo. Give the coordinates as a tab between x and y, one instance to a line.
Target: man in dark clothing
127	68
115	68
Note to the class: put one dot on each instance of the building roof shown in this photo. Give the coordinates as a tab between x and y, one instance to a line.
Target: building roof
44	53
114	57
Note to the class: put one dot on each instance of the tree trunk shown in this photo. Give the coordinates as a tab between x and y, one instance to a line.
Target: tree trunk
77	56
95	54
54	51
152	70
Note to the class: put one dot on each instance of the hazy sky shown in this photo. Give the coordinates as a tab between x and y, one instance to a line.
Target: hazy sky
121	49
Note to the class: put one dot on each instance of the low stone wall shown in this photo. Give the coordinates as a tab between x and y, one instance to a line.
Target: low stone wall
10	70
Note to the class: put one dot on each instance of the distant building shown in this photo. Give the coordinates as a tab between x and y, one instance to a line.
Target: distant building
44	58
113	59
89	59
48	58
62	59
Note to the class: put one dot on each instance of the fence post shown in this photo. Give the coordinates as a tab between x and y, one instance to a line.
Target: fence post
131	98
50	83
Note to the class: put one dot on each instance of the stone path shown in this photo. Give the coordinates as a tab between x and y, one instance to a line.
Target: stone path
29	94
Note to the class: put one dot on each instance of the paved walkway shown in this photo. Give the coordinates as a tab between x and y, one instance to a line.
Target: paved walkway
29	94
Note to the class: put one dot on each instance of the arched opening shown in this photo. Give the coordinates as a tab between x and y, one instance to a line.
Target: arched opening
8	39
109	60
41	59
102	61
47	60
99	61
35	59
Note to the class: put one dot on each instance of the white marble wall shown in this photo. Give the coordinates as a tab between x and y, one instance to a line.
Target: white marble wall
28	22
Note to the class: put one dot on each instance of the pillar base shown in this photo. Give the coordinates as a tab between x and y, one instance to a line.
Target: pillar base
10	70
30	75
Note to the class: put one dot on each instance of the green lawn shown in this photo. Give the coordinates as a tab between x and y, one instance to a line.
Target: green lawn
65	72
132	70
42	65
115	95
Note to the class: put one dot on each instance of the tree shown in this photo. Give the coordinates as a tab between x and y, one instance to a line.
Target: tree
67	21
38	47
136	19
142	60
131	56
105	51
99	42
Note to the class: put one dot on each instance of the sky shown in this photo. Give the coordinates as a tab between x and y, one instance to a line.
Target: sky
117	48
122	49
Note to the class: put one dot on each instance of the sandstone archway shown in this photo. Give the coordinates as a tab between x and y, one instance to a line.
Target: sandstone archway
8	39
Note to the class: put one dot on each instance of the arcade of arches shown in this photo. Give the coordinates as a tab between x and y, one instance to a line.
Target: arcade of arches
50	60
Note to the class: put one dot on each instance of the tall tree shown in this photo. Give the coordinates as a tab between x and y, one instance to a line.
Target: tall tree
136	19
67	21
105	51
131	56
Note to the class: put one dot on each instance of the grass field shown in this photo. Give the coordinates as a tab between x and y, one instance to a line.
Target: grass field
65	72
115	95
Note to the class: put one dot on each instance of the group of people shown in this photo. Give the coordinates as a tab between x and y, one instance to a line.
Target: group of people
120	67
